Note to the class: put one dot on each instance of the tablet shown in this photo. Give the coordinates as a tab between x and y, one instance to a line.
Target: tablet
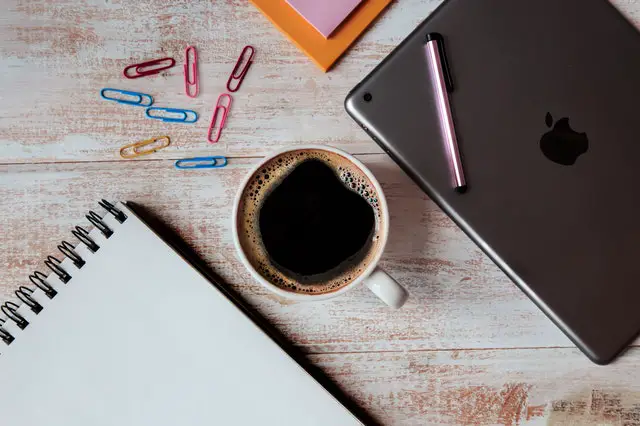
544	103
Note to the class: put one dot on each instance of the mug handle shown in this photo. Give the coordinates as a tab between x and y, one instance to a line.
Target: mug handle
386	288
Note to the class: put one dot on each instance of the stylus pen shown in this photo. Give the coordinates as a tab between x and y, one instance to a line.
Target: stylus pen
442	84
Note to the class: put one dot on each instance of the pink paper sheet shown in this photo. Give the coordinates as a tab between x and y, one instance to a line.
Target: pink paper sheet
324	15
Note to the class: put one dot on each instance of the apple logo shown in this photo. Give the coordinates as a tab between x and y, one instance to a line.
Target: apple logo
562	144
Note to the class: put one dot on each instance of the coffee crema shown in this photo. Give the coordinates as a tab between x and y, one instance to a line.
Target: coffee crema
355	246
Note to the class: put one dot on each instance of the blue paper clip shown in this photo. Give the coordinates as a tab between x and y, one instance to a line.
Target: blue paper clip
201	163
141	99
184	119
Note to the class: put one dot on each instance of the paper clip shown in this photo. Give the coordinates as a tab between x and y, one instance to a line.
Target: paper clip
165	142
140	99
188	82
140	68
239	74
184	112
225	112
201	163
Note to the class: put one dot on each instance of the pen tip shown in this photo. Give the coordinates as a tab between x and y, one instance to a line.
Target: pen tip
461	189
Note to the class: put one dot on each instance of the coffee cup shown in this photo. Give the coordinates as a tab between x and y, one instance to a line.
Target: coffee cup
311	223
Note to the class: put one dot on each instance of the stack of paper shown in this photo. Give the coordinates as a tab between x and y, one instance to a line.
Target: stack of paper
325	29
325	16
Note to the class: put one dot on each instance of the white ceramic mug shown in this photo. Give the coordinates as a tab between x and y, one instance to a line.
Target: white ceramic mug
378	281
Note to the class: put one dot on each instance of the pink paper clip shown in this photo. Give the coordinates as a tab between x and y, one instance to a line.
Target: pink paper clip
140	70
225	112
190	71
237	73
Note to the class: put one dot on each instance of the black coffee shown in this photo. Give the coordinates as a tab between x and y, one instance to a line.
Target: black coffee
311	223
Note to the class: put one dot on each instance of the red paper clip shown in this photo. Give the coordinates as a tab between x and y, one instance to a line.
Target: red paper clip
225	111
238	74
189	71
140	68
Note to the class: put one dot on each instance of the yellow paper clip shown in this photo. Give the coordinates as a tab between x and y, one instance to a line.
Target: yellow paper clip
134	147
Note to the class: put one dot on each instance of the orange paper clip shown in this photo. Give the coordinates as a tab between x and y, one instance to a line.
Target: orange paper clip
191	72
238	74
225	110
152	145
154	67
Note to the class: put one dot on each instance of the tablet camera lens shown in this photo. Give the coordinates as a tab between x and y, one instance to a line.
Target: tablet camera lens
368	97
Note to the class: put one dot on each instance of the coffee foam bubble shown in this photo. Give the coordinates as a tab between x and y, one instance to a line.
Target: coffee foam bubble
260	185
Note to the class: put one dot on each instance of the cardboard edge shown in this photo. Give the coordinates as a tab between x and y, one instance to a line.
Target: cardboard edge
292	40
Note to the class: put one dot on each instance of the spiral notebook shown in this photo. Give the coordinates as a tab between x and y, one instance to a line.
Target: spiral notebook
126	331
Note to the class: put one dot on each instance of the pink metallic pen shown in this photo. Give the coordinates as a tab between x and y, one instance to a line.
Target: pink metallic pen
442	85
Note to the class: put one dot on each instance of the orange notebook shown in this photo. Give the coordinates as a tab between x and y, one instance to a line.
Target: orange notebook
324	52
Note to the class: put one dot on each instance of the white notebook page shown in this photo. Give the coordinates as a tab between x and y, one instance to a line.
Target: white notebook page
139	337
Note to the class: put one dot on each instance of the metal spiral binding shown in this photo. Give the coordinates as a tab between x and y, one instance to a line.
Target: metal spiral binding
68	250
98	223
83	235
38	279
4	334
53	263
10	309
120	217
24	294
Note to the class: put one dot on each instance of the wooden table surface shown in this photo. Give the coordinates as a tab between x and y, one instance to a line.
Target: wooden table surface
468	348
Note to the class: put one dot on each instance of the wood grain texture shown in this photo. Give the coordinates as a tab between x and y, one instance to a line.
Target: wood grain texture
56	61
57	54
469	347
554	387
404	367
459	298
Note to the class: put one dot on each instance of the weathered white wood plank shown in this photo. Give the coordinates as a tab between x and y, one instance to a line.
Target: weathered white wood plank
459	298
55	62
56	55
555	387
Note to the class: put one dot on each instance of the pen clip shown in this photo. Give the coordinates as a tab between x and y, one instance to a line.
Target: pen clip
446	71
